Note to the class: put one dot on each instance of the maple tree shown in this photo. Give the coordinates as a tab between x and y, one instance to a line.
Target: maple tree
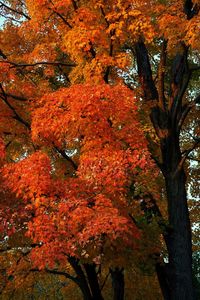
79	80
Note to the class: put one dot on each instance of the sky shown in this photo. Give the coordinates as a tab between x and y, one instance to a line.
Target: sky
1	21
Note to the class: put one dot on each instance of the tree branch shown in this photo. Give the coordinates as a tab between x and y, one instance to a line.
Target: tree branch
190	9
56	63
57	272
186	110
106	75
81	278
184	85
196	68
15	11
64	155
145	72
161	76
187	152
104	282
16	115
62	18
10	18
194	159
20	98
180	77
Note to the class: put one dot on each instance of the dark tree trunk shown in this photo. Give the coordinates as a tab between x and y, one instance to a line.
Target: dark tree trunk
85	290
144	72
179	235
81	279
93	281
117	276
175	278
163	280
179	247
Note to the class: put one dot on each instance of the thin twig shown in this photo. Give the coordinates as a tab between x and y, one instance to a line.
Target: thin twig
56	63
103	284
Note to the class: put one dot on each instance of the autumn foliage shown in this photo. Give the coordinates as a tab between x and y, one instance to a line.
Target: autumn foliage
90	126
72	214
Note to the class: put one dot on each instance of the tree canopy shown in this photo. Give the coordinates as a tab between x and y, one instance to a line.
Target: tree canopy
100	143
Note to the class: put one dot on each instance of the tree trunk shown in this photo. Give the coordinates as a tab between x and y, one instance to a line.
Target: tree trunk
117	276
81	279
176	277
180	248
163	280
179	235
93	281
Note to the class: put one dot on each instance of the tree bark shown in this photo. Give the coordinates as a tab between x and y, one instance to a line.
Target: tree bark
144	71
176	277
117	276
93	281
179	235
81	279
163	280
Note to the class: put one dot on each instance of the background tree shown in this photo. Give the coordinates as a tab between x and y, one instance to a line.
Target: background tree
84	51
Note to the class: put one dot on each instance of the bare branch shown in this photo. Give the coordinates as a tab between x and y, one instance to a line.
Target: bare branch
64	155
10	18
187	152
16	97
62	18
196	68
186	110
197	100
15	11
56	272
194	159
104	282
